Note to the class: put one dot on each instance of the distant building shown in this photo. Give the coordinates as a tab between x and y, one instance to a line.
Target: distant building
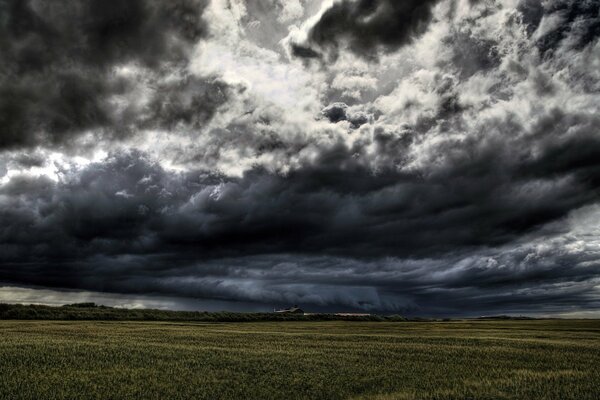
349	314
291	310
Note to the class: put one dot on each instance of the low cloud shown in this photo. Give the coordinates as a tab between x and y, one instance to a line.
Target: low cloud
366	27
128	226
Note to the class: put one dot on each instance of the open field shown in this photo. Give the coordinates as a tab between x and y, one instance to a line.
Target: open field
538	359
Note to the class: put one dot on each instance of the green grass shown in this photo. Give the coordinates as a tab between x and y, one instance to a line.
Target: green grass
538	359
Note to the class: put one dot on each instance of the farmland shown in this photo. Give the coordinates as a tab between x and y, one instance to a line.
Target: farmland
549	359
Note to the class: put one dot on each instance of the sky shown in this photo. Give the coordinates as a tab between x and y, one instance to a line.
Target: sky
415	157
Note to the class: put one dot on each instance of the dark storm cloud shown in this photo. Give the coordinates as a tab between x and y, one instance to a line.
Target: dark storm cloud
368	26
471	54
450	190
28	160
127	225
189	102
477	195
531	278
532	12
58	58
304	51
577	21
337	112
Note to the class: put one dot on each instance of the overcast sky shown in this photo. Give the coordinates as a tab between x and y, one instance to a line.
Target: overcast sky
421	157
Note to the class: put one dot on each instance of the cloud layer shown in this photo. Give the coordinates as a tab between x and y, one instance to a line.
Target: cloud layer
67	66
366	26
439	157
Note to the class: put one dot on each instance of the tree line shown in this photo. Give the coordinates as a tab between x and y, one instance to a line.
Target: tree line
91	311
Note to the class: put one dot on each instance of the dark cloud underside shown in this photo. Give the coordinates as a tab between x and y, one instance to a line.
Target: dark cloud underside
452	170
336	204
57	76
132	210
578	20
368	26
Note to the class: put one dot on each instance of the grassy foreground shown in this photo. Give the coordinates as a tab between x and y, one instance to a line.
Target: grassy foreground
300	360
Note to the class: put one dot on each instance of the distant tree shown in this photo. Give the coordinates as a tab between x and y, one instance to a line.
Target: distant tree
82	305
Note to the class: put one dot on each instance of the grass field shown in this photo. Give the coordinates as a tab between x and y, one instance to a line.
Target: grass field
300	360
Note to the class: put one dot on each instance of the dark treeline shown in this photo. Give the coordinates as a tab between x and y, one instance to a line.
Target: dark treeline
91	311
